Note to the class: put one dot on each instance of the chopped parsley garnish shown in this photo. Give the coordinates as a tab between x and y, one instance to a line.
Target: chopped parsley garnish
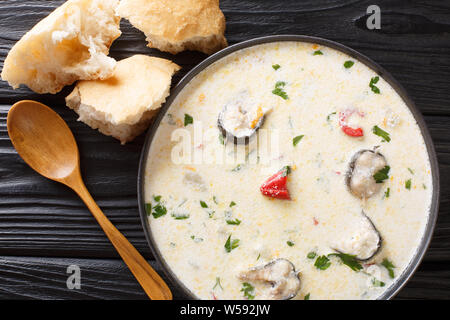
188	119
307	296
290	243
221	139
381	133
180	216
259	256
408	184
203	204
158	211
218	284
348	64
237	168
276	66
311	255
377	283
411	170
387	192
389	266
317	53
297	139
381	174
348	260
285	171
372	85
196	239
424	186
231	244
322	263
215	200
279	91
148	208
249	291
235	222
232	203
329	116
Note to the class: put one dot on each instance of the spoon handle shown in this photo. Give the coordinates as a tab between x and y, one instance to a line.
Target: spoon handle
153	285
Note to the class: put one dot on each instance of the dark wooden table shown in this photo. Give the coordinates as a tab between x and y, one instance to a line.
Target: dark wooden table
44	227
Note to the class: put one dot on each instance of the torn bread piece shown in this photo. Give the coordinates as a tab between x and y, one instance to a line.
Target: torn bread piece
71	43
177	25
124	105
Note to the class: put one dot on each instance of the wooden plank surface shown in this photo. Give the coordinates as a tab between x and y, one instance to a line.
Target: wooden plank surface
44	226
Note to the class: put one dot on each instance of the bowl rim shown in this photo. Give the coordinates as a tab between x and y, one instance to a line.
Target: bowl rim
400	282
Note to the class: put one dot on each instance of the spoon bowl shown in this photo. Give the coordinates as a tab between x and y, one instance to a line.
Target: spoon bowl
45	142
43	139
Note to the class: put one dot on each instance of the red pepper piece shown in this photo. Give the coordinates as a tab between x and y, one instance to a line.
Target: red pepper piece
343	119
352	132
275	186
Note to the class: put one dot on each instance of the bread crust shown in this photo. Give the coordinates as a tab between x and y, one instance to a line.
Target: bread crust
123	105
178	25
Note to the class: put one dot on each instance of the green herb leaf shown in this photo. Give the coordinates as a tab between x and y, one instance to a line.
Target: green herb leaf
408	184
311	255
231	244
232	203
203	204
372	85
235	222
307	296
290	243
221	139
381	174
387	192
389	266
148	208
158	211
322	263
411	170
188	119
180	216
329	116
285	171
317	53
218	284
157	198
297	139
196	239
276	66
348	64
249	291
348	260
279	91
215	200
377	283
237	168
381	133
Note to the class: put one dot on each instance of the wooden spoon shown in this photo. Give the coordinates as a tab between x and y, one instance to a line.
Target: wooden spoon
45	142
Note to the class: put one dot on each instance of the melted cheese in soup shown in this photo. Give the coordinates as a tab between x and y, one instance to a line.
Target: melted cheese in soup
212	223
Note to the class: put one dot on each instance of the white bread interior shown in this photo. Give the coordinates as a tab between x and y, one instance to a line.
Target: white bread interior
71	43
177	25
123	106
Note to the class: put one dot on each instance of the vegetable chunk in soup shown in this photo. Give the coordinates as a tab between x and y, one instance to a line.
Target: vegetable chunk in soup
288	170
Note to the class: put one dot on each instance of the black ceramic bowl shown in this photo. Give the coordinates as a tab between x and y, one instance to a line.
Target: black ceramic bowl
414	263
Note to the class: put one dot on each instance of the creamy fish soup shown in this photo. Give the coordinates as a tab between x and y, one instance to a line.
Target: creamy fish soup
320	185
